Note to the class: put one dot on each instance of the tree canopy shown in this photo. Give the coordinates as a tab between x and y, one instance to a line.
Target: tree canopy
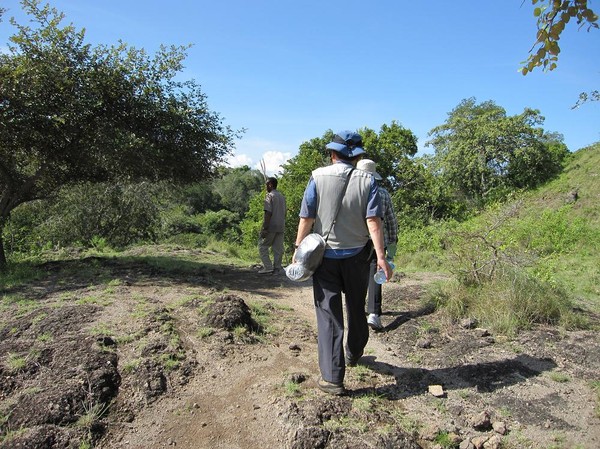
482	152
70	112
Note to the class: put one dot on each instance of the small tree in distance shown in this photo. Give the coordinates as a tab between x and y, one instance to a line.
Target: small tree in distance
71	113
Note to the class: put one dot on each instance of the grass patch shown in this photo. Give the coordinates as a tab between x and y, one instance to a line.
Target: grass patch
446	440
205	332
15	362
97	300
366	403
361	372
92	414
171	361
18	305
559	377
514	301
44	338
346	423
130	366
291	389
21	273
407	423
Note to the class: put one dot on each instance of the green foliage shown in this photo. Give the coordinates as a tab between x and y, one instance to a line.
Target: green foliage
221	224
176	220
553	231
531	260
483	154
511	302
236	187
552	19
445	440
74	113
250	226
119	214
391	149
199	197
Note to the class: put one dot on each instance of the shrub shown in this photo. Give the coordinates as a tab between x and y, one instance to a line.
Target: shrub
221	224
121	214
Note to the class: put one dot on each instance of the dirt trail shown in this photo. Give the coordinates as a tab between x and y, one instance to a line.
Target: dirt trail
103	327
239	401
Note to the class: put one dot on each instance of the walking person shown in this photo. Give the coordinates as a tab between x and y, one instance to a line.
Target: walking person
341	204
271	233
390	238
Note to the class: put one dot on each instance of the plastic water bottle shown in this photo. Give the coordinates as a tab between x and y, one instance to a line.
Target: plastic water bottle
379	277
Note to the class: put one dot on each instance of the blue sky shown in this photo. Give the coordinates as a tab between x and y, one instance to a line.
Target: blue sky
289	71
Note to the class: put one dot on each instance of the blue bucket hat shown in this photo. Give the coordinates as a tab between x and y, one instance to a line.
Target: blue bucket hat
347	143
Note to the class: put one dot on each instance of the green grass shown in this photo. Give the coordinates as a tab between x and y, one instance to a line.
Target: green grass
445	440
532	260
18	305
291	389
559	377
15	362
205	332
20	273
346	423
366	403
92	414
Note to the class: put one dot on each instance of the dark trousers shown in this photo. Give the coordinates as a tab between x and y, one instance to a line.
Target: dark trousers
332	278
374	296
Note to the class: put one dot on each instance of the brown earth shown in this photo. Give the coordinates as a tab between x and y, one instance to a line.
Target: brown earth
135	353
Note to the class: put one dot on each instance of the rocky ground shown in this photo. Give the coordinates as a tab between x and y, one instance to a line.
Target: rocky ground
174	350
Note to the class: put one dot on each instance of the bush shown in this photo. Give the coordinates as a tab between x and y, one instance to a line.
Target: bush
22	231
121	214
222	224
511	302
176	220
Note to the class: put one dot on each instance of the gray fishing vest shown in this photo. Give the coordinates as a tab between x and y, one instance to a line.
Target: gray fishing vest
350	229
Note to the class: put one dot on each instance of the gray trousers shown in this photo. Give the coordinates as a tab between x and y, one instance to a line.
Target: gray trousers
332	278
272	240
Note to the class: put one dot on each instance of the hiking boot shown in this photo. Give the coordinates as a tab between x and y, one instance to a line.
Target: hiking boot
336	389
265	271
374	322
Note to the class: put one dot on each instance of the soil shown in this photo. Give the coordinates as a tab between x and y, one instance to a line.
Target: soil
136	353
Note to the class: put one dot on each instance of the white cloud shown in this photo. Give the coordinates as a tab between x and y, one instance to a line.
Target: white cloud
273	161
251	151
235	160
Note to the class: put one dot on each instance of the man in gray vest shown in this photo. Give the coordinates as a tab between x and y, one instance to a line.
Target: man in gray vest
351	223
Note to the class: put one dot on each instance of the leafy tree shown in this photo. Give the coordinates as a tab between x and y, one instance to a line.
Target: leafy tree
72	113
236	186
200	197
483	153
392	149
552	19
